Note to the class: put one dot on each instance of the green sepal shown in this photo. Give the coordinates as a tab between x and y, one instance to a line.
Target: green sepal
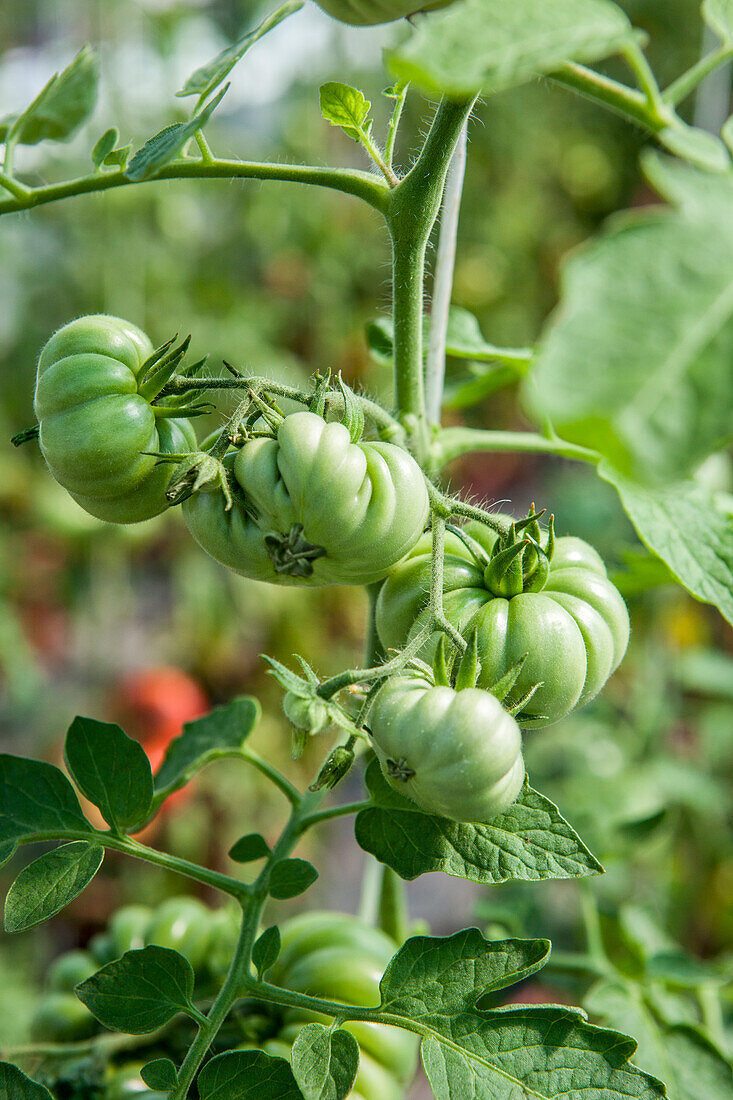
26	435
478	552
197	470
468	665
298	741
267	409
352	414
321	383
440	668
515	709
334	769
158	370
504	684
503	575
536	579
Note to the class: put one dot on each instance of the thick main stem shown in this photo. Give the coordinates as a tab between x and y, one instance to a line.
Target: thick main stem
411	212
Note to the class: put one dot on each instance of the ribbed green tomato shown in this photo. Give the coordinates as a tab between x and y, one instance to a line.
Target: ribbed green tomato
313	508
337	957
366	13
456	754
575	630
95	425
127	928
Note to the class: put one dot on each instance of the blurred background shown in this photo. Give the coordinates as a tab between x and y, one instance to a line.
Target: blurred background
136	625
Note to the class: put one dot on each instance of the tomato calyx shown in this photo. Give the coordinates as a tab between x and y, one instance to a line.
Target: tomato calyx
336	767
519	562
400	770
197	470
311	713
292	554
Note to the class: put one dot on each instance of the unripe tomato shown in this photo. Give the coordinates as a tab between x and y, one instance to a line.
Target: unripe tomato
126	1083
337	957
128	928
184	925
70	969
366	13
311	507
574	631
456	754
62	1018
95	424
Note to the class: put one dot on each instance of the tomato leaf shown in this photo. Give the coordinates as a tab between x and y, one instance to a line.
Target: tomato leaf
683	525
61	106
544	1051
690	1063
14	1085
247	1075
325	1062
291	877
718	14
167	144
248	848
104	146
223	732
635	364
449	975
346	107
141	991
530	841
49	883
37	800
160	1074
111	770
700	148
489	45
208	77
266	950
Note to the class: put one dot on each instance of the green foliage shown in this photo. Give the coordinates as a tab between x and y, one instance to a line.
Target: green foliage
16	1086
249	848
166	145
325	1062
141	991
36	801
487	45
530	841
266	950
46	886
159	1074
61	107
291	877
111	770
718	14
247	1075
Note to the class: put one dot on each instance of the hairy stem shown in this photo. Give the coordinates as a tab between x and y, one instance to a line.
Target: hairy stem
685	84
362	185
454	442
622	100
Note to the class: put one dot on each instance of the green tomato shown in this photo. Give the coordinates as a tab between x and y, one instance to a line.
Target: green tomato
62	1018
457	754
95	426
127	1084
366	13
575	630
69	970
128	927
337	957
184	925
312	508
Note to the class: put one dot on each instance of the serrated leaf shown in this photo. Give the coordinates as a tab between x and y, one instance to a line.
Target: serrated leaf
539	1052
489	45
49	883
649	306
346	107
167	144
682	525
247	1075
697	146
718	14
62	105
104	145
208	77
141	991
690	1065
291	877
223	732
325	1062
111	770
445	976
160	1074
248	848
14	1085
531	841
37	801
266	950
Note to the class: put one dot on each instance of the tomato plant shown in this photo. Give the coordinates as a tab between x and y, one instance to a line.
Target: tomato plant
314	484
